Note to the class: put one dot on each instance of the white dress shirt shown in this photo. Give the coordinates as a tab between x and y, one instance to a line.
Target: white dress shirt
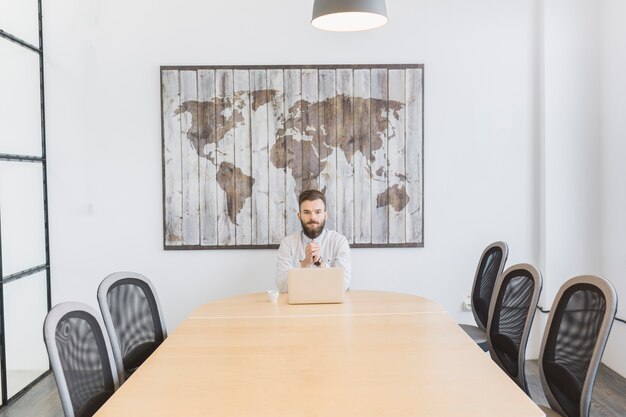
334	251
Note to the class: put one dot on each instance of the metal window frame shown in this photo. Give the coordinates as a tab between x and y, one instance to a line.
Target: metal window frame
46	266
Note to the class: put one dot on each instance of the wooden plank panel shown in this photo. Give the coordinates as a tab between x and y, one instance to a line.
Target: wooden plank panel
293	136
243	158
310	142
172	182
396	147
225	157
414	137
246	151
189	157
207	168
378	143
277	167
260	156
362	158
328	142
345	152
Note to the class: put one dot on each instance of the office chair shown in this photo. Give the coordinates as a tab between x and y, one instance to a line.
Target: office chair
489	267
133	318
511	314
82	362
576	333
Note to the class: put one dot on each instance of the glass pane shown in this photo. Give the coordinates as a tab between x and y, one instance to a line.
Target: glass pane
25	308
20	19
20	108
21	216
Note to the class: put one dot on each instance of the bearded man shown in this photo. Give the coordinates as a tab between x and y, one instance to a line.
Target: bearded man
313	247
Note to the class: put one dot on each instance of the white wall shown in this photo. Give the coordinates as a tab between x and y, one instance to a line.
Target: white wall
489	147
613	171
104	144
571	137
584	196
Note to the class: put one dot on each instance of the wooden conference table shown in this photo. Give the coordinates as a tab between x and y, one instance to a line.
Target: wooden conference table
377	354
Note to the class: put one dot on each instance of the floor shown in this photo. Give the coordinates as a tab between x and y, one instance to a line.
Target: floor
17	380
42	400
609	396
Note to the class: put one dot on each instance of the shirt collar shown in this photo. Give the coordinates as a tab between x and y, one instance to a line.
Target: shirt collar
308	240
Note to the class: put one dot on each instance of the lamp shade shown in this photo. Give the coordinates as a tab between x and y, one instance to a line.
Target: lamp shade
349	15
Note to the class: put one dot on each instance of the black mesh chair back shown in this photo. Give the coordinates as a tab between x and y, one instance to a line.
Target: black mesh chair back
81	358
513	306
576	333
490	266
132	315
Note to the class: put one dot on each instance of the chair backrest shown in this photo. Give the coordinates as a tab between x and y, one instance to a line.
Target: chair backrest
81	358
490	266
576	333
511	314
133	317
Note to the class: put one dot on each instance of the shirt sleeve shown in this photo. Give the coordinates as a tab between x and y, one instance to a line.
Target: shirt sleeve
284	261
343	258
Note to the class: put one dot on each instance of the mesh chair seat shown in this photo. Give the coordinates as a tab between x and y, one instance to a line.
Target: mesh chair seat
481	302
512	310
92	405
81	358
565	385
132	315
507	350
490	266
138	354
576	334
477	334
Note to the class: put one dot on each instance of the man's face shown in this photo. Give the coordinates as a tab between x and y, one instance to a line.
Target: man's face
313	217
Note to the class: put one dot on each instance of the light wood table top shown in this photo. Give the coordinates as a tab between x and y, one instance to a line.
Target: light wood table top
264	359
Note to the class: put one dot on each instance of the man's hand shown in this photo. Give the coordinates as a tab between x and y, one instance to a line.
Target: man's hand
311	255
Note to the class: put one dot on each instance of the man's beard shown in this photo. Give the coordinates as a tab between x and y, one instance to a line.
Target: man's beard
313	230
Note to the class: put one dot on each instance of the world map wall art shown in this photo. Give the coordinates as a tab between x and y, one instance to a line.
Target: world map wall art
241	142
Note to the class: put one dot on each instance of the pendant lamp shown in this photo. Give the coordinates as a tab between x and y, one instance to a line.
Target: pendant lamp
349	15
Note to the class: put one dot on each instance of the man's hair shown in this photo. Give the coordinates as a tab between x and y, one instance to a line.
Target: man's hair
311	195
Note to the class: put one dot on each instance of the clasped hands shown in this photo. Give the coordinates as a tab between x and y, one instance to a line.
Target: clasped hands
312	255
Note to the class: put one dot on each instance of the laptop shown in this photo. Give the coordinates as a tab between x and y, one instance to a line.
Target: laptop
315	285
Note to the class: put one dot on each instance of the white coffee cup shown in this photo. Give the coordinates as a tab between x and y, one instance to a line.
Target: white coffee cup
272	295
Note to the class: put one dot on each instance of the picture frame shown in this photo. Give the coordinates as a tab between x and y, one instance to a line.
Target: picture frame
241	142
